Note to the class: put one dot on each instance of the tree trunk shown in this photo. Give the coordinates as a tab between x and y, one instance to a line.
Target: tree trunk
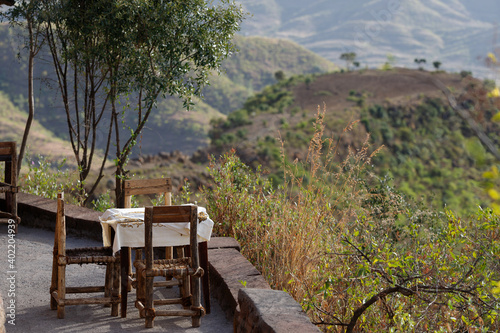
31	98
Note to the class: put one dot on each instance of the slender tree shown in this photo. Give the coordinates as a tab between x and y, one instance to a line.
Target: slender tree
349	58
25	15
115	58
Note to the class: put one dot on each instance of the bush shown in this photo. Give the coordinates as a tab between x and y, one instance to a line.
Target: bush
41	180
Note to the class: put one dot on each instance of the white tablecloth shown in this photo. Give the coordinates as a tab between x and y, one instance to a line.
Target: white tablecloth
128	224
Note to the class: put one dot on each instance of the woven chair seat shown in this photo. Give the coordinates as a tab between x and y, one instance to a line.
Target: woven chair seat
177	270
91	255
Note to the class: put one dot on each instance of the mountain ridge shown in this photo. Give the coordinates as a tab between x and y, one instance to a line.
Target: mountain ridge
458	33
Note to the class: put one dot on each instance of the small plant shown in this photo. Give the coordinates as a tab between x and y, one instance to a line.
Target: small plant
279	76
465	74
323	93
389	64
103	202
158	200
41	180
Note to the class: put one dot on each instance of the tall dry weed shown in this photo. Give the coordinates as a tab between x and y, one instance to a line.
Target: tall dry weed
286	232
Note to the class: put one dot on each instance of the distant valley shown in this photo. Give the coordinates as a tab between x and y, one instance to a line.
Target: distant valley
458	33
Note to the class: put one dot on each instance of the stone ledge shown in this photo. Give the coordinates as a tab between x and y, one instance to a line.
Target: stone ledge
270	311
223	243
229	271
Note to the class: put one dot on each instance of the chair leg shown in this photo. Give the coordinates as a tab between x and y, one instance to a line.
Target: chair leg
61	291
169	254
129	288
108	282
140	290
196	297
149	310
115	291
203	249
124	262
196	321
53	284
184	287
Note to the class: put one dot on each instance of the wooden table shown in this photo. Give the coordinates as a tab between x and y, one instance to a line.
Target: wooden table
128	226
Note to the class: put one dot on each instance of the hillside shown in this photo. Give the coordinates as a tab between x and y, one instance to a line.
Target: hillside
428	149
42	141
171	127
458	33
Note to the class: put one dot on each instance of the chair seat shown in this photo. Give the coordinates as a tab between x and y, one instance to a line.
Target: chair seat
177	268
91	255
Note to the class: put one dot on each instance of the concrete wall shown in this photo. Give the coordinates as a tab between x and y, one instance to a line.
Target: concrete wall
241	290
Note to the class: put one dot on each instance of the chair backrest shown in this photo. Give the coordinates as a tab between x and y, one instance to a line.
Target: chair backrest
171	214
147	186
8	154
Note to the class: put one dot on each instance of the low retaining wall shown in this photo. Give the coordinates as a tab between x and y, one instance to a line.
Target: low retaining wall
241	291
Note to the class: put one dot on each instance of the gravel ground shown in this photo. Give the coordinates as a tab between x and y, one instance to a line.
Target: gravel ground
33	266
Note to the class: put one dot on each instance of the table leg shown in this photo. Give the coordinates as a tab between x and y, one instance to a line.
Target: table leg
124	267
203	253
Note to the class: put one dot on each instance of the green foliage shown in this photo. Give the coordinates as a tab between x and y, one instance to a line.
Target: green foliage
390	63
429	148
358	98
353	251
420	62
349	58
465	74
103	202
45	178
489	84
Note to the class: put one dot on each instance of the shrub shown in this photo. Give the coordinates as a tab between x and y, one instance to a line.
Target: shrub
41	180
103	202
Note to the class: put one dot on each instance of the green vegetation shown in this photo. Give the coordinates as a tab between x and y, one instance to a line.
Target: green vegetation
350	59
353	251
429	151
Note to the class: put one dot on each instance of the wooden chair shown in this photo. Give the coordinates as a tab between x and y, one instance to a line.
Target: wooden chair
186	269
158	186
162	186
8	155
91	255
147	186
